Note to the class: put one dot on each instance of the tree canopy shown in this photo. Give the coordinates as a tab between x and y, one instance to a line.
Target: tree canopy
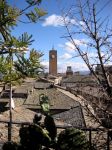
10	45
29	67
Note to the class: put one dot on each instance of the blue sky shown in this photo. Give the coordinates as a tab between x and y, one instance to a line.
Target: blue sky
48	32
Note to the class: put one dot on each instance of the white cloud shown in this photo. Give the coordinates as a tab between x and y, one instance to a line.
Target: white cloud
81	42
92	54
62	66
69	46
83	25
56	20
95	54
66	56
45	64
76	66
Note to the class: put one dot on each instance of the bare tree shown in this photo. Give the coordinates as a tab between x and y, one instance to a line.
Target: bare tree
89	33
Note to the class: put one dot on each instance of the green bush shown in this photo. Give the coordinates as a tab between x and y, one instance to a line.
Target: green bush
72	139
10	146
33	137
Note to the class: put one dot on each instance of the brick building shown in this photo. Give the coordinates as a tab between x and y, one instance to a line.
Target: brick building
53	62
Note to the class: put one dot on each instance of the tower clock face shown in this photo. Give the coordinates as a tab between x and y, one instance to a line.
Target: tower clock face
52	56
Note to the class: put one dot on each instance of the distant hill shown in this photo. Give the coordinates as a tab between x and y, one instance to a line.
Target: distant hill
84	72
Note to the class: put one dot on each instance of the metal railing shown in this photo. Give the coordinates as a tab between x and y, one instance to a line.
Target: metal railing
89	130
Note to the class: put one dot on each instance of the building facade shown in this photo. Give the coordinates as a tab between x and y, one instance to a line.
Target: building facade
53	62
69	71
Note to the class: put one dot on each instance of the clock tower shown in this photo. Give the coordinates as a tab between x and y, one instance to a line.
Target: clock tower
53	62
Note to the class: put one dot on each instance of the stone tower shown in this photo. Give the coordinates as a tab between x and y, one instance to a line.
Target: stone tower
69	71
53	62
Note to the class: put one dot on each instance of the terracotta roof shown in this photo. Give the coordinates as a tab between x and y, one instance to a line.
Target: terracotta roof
79	78
42	85
19	114
74	117
57	99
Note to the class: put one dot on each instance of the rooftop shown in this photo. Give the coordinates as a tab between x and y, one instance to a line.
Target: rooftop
57	99
79	78
65	109
74	117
